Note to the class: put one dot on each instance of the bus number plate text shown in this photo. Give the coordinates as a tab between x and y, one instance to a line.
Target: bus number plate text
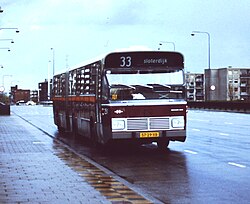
149	134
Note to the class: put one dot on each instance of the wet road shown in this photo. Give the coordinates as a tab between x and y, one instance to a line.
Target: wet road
212	166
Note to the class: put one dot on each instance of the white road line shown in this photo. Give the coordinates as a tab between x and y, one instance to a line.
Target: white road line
199	120
191	152
194	129
224	134
235	164
228	123
38	142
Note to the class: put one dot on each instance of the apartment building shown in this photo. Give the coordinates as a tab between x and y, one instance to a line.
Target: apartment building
195	86
227	84
34	96
43	91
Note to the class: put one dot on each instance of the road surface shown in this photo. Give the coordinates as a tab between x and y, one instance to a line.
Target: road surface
212	166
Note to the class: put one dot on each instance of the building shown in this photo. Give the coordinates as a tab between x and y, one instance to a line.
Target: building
195	86
43	91
245	84
19	94
227	84
34	96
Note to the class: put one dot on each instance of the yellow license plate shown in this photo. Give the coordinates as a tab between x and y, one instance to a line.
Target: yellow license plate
149	134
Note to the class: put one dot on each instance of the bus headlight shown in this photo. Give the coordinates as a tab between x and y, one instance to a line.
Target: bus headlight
118	124
178	122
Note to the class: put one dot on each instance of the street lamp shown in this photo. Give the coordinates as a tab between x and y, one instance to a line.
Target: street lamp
207	87
17	31
2	88
167	42
48	98
2	48
53	69
12	41
1	10
6	75
208	38
53	60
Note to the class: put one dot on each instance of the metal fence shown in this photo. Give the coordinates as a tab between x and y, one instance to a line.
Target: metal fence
240	106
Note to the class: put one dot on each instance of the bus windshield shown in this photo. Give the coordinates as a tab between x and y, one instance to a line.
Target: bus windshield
146	85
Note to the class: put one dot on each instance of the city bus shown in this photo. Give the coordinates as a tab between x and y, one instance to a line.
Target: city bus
137	97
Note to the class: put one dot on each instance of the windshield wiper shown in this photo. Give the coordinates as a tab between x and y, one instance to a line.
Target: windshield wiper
160	86
175	92
143	86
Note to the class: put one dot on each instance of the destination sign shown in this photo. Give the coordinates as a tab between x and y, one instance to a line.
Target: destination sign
144	59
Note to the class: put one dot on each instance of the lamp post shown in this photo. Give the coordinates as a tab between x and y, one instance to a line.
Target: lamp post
17	31
5	48
209	86
53	60
53	67
208	41
166	43
48	98
12	41
6	75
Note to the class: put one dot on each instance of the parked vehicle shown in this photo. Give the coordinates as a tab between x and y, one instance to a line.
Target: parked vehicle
30	103
21	102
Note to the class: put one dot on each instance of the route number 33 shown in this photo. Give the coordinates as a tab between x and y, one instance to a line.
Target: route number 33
126	61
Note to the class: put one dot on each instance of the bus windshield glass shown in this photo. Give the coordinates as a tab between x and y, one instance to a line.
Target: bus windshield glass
146	85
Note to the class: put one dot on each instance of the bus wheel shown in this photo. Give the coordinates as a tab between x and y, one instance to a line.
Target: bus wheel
162	144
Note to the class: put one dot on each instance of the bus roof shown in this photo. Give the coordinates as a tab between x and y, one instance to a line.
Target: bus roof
140	59
144	59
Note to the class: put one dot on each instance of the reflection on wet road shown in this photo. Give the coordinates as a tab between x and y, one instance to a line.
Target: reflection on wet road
164	175
103	182
212	166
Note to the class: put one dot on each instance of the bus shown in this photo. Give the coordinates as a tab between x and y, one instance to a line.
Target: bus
137	97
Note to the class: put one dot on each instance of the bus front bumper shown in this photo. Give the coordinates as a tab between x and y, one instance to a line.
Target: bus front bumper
174	135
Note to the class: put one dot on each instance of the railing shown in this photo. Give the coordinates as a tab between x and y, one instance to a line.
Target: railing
239	106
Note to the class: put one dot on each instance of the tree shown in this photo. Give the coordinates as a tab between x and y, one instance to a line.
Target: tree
4	99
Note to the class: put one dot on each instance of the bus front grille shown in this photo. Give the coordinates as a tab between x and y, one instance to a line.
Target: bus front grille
147	123
159	123
137	124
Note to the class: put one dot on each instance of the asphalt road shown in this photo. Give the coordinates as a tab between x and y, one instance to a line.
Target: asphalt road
212	166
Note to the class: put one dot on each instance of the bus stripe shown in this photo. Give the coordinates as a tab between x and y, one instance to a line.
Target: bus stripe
76	99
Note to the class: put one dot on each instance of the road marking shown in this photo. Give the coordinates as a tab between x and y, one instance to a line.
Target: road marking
228	123
224	134
199	120
38	142
194	129
235	164
191	152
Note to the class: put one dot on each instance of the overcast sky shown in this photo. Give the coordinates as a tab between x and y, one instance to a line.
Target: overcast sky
79	30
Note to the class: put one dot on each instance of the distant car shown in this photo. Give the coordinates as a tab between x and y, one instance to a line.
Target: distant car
30	103
21	102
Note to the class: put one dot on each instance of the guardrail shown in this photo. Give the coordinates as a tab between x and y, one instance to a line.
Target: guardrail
238	106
